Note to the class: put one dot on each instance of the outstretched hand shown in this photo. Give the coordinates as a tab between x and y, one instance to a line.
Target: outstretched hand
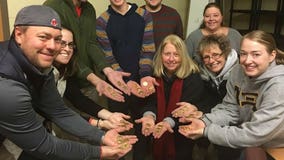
148	84
160	128
194	130
148	124
116	78
119	120
106	89
185	110
114	152
119	147
113	138
136	89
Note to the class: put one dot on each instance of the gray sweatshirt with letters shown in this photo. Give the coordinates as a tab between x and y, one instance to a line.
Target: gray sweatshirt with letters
252	112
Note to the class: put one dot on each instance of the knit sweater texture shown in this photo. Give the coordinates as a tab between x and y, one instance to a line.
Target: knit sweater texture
127	40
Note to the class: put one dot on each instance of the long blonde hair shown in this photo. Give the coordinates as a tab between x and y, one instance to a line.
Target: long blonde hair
187	66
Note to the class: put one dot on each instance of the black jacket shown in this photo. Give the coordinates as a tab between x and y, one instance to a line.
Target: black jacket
24	90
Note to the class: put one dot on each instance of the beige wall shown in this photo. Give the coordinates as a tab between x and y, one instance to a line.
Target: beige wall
101	5
14	6
1	25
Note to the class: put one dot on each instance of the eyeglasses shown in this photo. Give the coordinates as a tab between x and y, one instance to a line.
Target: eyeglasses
70	45
214	56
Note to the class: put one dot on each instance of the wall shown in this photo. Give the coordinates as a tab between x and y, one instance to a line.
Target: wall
190	10
1	25
101	5
4	26
195	15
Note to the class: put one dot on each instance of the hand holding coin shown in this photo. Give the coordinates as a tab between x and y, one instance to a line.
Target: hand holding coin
147	84
161	128
135	89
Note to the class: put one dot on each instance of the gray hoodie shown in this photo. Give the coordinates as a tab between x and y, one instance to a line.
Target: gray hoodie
252	112
231	60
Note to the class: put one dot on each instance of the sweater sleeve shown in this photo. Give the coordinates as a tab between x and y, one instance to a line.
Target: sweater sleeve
79	100
148	45
95	51
105	42
179	26
225	113
265	127
192	42
20	123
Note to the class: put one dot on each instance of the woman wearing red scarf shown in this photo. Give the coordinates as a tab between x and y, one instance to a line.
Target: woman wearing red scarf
179	81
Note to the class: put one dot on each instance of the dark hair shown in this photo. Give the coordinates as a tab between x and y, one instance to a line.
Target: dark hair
268	41
71	67
220	40
209	5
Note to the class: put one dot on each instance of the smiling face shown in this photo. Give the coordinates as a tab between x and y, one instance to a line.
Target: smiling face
39	44
153	4
171	59
67	48
213	58
254	57
117	3
212	18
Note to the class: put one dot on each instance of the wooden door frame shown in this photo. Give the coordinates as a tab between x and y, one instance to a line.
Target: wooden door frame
4	21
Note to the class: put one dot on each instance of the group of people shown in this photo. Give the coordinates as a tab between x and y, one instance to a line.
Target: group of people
216	88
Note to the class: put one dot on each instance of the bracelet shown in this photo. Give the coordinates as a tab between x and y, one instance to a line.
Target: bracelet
98	123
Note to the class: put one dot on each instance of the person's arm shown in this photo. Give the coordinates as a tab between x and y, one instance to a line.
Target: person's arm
227	112
105	42
83	103
20	124
51	105
265	126
148	115
114	74
148	47
79	100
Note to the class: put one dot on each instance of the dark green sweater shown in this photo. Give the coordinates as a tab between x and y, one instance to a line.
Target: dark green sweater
90	56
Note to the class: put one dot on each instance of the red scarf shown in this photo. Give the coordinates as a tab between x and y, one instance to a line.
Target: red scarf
78	10
164	147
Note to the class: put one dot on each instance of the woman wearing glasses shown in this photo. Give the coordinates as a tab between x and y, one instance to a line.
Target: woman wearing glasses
217	61
179	81
65	67
251	113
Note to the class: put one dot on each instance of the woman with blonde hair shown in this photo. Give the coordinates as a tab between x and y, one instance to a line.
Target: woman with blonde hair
179	82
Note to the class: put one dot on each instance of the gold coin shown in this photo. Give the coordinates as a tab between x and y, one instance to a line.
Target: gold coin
151	88
119	83
140	91
148	124
123	146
